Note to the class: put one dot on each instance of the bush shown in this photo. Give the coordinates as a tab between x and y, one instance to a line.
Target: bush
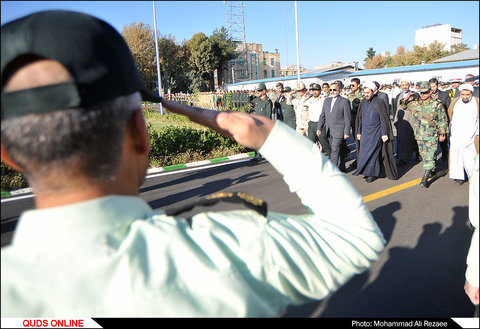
12	179
175	144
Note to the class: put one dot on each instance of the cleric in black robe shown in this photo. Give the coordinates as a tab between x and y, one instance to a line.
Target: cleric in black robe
374	156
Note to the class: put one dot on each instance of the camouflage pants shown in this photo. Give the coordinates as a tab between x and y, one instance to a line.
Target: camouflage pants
427	148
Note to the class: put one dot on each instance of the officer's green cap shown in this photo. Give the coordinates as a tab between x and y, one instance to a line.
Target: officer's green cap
315	86
261	86
423	86
94	53
287	89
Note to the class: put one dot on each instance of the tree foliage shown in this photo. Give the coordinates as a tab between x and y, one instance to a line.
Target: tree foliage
187	66
419	55
223	49
141	41
201	59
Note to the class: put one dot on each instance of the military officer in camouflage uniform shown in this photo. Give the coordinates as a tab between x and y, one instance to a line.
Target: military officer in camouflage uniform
430	125
355	96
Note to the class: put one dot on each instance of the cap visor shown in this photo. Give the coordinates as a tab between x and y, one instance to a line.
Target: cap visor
150	97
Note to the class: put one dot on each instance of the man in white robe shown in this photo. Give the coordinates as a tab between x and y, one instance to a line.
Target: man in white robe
463	114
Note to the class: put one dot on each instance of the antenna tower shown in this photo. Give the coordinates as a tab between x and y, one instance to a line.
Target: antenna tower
236	26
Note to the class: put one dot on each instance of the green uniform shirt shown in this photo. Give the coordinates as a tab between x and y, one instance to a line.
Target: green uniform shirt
116	257
262	107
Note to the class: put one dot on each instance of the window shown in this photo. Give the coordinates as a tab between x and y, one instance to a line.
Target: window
264	73
273	73
264	61
232	61
240	59
242	74
272	61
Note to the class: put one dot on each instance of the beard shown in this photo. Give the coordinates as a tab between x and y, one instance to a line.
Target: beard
466	101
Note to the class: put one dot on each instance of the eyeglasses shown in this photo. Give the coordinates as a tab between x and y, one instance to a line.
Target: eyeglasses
333	89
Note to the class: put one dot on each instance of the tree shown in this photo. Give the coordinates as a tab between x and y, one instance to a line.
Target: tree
201	59
370	53
141	42
173	63
458	48
375	62
223	49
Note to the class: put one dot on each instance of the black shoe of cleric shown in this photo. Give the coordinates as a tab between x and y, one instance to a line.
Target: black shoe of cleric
95	54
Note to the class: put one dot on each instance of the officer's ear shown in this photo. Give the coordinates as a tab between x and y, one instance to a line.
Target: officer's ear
8	161
138	132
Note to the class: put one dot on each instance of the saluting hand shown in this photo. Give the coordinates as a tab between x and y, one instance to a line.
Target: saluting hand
247	129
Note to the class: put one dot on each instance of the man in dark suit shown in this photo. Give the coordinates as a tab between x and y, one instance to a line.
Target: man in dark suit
443	97
335	118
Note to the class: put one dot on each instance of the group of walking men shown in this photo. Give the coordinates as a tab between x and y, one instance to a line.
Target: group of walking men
422	121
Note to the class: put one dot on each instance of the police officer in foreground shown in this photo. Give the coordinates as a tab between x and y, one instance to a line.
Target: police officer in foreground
430	126
93	248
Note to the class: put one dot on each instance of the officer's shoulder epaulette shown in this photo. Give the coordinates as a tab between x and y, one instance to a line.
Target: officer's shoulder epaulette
249	201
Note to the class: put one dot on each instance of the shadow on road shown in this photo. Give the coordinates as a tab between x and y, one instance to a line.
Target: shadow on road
426	281
200	174
204	190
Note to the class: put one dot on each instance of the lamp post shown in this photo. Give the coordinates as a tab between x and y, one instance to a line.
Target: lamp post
158	61
298	54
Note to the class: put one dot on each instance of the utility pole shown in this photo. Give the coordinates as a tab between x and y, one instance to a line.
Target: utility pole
158	61
298	54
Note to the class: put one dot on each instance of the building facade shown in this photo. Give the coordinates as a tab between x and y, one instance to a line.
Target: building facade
291	70
444	33
253	64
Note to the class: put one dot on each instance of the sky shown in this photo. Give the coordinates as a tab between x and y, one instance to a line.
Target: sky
329	31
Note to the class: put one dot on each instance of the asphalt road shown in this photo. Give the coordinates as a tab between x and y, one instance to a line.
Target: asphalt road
421	272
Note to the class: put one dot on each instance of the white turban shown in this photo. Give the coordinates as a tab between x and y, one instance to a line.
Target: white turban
370	85
466	86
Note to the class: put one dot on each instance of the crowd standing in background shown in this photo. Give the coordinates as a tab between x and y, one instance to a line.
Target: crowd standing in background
417	113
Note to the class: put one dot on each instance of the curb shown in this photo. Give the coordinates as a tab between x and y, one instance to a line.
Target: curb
151	171
200	163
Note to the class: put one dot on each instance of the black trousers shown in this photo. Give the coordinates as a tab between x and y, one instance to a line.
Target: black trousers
322	139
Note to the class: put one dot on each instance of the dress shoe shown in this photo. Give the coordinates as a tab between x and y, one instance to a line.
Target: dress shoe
459	181
370	179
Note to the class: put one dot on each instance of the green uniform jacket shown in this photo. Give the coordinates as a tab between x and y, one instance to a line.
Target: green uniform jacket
262	107
288	113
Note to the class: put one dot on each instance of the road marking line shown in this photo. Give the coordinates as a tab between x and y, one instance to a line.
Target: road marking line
388	191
